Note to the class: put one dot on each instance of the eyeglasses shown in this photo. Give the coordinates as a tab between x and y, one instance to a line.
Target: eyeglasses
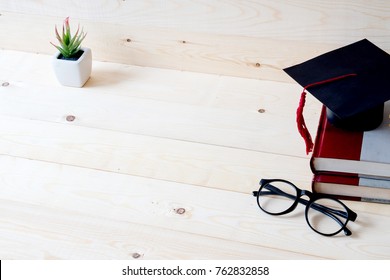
325	215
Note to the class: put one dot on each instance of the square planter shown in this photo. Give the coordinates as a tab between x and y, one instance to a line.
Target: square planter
73	73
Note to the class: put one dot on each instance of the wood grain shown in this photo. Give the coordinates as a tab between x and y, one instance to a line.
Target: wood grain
217	131
148	163
197	108
310	21
153	206
36	232
116	181
165	159
253	39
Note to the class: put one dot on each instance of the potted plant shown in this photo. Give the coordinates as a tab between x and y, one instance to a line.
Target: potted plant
72	63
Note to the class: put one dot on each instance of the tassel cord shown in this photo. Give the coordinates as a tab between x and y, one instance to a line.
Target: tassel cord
302	128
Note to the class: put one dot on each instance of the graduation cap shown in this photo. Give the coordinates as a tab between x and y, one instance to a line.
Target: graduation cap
353	82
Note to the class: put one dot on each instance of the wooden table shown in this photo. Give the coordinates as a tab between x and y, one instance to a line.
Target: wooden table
150	163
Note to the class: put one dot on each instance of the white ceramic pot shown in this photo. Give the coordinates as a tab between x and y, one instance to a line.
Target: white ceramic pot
73	73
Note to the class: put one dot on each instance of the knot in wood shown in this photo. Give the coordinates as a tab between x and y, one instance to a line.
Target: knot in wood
70	118
136	255
180	211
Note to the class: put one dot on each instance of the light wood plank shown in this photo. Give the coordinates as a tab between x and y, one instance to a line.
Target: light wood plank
35	232
191	107
217	214
166	159
305	21
158	84
205	53
246	38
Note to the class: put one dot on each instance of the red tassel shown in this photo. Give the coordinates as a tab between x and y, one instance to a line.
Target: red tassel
302	128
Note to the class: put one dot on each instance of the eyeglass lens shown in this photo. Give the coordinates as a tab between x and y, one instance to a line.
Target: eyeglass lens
327	216
324	215
277	197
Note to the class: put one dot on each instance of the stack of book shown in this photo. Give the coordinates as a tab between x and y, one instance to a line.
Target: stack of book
352	165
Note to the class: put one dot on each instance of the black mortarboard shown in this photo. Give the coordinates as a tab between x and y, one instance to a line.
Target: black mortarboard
353	82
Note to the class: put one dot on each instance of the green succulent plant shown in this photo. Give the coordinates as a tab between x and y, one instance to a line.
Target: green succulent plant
69	45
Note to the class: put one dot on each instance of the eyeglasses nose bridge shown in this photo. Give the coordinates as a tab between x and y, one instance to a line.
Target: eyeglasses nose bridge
309	194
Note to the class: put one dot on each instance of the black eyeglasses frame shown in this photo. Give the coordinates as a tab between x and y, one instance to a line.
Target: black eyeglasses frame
310	204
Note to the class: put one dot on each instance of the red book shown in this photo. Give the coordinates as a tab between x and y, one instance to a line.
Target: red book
338	151
352	188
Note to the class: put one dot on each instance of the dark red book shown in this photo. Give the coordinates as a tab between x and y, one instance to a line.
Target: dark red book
338	151
352	187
